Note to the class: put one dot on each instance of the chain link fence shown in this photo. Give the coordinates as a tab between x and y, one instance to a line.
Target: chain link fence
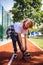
5	21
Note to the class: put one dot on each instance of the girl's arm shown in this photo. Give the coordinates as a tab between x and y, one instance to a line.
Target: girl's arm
25	36
19	34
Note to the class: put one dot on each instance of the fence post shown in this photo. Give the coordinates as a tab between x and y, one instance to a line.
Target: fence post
2	23
7	20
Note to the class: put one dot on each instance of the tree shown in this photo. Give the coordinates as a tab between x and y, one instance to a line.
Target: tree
36	4
25	8
41	16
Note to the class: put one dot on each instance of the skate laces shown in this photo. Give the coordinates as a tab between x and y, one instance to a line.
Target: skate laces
15	55
26	53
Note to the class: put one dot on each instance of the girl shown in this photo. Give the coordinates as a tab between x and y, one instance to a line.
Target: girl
15	31
22	28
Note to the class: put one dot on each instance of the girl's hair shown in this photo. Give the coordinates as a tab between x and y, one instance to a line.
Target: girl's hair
32	22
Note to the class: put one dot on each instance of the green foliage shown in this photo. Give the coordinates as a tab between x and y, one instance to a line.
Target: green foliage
36	4
26	9
41	30
41	16
38	29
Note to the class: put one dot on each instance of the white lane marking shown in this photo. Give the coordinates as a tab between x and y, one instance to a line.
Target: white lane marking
9	63
5	42
35	44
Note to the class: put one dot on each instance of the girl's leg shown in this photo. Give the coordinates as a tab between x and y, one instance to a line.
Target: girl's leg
19	43
25	54
14	46
14	43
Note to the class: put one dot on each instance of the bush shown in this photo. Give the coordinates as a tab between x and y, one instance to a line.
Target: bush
41	30
37	30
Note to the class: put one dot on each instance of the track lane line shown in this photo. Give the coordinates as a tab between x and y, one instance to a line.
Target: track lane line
9	63
35	44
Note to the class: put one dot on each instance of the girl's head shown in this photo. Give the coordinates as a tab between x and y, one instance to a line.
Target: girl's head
28	23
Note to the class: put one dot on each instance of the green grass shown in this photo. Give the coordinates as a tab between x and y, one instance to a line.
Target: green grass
39	42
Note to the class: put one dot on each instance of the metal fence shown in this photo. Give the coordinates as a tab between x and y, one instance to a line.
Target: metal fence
5	21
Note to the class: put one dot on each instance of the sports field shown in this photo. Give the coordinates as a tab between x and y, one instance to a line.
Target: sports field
6	52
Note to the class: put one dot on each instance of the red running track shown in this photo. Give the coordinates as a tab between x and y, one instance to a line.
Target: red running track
6	52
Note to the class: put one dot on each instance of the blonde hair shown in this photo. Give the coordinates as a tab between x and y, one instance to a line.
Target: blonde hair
27	19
